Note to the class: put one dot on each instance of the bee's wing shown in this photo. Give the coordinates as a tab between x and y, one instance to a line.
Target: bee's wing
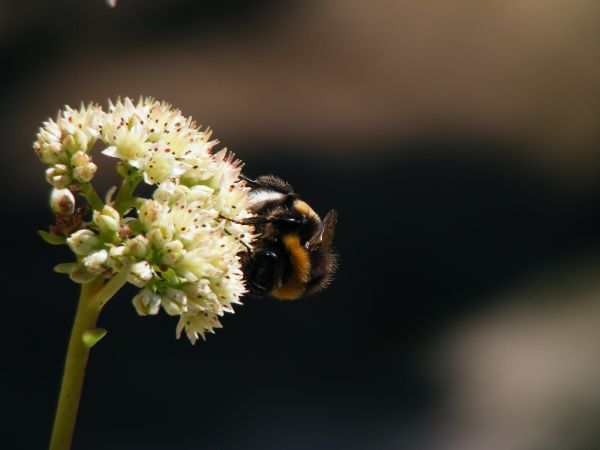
323	238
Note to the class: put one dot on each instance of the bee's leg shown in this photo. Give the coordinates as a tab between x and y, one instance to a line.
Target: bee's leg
248	248
257	220
261	272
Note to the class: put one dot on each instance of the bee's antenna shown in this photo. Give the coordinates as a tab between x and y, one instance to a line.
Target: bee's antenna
249	221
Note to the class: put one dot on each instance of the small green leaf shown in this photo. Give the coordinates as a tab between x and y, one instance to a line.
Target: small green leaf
139	202
92	337
79	274
52	239
65	267
170	276
136	226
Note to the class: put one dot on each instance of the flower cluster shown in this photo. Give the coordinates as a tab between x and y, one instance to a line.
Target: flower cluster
64	145
181	247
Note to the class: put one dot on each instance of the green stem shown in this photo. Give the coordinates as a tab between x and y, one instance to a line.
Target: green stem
107	291
92	196
93	297
125	197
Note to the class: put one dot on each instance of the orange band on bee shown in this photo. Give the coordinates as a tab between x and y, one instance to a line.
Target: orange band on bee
300	264
305	209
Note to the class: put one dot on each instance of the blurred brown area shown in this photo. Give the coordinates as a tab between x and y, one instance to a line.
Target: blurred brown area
338	78
525	373
460	141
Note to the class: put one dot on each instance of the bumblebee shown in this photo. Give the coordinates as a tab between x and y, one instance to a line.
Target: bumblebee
292	255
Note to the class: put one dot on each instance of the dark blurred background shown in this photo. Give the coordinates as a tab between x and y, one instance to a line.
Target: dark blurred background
459	141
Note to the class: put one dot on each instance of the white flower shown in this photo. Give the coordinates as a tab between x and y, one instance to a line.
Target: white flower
141	273
182	245
83	167
196	325
94	262
147	302
158	140
58	176
71	132
173	253
174	302
126	143
116	258
197	250
107	220
137	246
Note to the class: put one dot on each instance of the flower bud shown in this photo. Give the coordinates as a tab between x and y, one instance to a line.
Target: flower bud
163	193
137	247
79	274
83	242
83	167
94	262
146	302
62	202
173	253
85	173
77	142
58	176
107	220
115	254
158	237
140	274
174	301
151	213
50	152
200	289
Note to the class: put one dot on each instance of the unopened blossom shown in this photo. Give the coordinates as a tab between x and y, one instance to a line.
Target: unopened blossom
182	246
83	167
141	273
83	242
147	302
95	261
174	301
116	258
58	176
137	247
62	201
73	132
107	219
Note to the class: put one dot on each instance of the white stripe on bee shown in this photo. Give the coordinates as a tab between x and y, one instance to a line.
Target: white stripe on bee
263	196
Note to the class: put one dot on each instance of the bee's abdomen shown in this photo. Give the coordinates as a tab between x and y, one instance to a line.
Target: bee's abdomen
299	266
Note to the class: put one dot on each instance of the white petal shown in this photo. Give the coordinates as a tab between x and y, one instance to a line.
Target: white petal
110	151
